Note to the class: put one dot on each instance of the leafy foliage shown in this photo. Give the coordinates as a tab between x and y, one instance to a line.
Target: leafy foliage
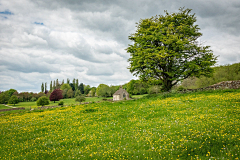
221	73
77	93
72	86
11	91
33	99
42	101
87	88
80	98
103	90
4	97
166	49
56	95
81	88
60	103
154	90
65	86
51	88
92	91
13	100
137	87
70	93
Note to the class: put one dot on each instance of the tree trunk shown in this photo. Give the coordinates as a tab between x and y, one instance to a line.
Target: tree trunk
167	85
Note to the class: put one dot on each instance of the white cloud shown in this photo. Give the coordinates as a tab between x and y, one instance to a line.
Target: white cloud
45	40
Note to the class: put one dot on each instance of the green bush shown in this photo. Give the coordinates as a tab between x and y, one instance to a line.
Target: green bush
60	103
43	101
20	99
181	88
33	99
154	89
80	98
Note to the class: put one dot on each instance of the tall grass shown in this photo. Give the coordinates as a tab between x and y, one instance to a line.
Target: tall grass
202	125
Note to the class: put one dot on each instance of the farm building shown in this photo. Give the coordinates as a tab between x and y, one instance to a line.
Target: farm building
120	94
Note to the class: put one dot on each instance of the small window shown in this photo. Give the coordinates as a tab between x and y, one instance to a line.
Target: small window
124	95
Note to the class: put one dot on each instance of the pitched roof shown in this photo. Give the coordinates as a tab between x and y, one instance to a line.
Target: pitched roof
120	91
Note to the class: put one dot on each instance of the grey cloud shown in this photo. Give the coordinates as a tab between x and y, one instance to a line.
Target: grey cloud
100	70
28	67
44	40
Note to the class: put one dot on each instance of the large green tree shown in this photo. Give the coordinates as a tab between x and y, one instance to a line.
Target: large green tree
165	48
13	100
11	91
103	90
4	97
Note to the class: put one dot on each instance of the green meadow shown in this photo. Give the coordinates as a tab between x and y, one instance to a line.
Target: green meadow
200	125
67	102
3	106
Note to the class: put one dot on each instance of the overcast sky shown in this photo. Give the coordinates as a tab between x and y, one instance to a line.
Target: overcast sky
44	40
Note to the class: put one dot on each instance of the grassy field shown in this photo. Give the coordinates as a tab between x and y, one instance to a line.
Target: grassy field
68	102
4	107
201	125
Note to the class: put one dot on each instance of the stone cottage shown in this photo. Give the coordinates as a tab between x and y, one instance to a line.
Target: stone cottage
120	94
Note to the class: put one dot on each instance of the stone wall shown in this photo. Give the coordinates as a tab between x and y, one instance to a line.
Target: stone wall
225	85
11	109
220	85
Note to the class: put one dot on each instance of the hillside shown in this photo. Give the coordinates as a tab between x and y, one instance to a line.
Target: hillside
221	73
202	125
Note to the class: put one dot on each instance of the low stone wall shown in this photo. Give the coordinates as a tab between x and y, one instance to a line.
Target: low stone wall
11	109
220	85
225	85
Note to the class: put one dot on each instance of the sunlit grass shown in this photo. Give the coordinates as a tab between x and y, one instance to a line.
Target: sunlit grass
4	107
67	102
183	126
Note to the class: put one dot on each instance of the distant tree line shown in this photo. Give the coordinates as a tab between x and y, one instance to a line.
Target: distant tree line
134	87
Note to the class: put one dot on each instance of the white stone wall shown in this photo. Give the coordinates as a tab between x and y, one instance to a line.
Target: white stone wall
116	97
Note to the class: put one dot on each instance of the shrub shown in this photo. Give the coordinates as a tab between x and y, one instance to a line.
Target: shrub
20	99
60	103
42	101
154	90
130	95
181	88
80	99
33	99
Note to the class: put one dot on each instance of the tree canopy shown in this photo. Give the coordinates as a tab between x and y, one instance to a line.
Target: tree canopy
56	95
13	100
165	48
80	99
103	90
65	86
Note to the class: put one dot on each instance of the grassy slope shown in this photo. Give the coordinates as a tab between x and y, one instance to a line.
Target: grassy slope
70	101
189	126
